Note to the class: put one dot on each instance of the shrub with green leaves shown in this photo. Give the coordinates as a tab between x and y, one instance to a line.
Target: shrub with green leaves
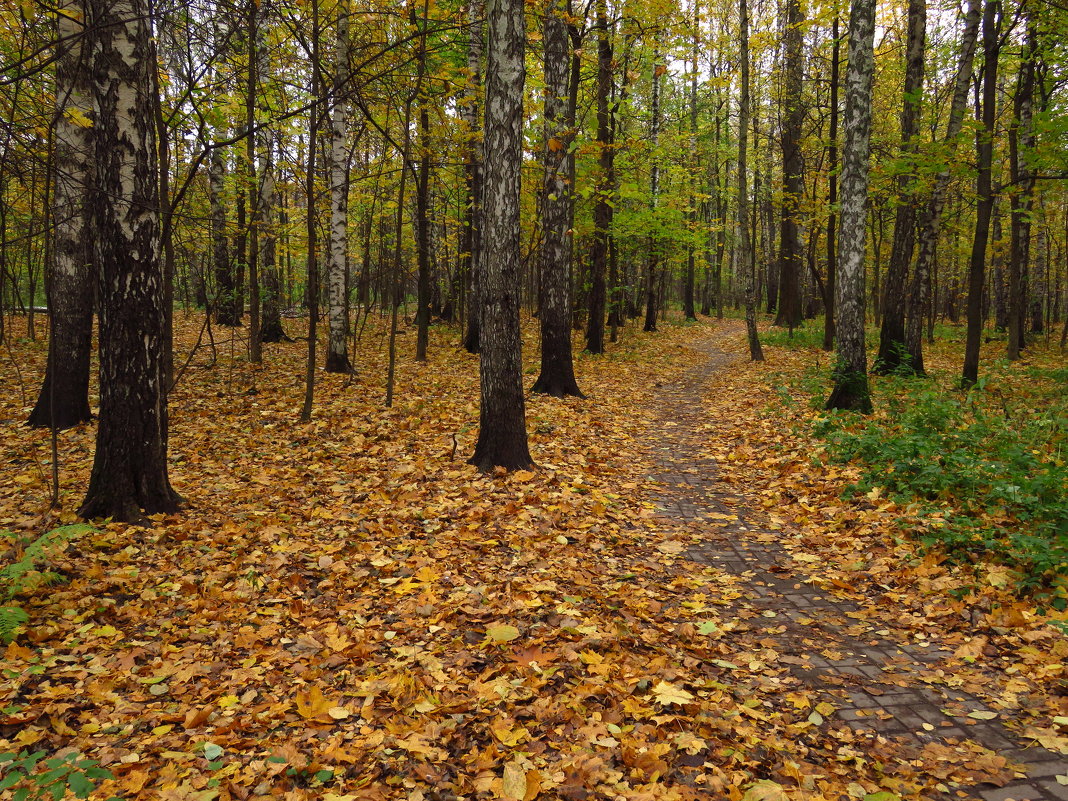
990	472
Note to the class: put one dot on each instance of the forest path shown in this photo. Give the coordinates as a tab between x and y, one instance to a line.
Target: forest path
882	689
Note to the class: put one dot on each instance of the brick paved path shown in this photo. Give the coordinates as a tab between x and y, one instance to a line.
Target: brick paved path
874	682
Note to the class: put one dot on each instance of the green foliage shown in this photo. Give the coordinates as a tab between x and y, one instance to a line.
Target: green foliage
991	479
37	778
803	337
22	575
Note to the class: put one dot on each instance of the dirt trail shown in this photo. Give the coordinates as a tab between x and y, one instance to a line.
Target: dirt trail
875	683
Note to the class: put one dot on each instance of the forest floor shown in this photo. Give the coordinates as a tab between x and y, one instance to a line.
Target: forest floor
677	603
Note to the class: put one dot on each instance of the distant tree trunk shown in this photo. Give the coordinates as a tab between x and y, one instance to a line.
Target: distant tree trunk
892	348
919	295
557	376
130	465
742	263
1021	142
469	112
64	397
602	209
502	435
851	370
654	199
790	257
422	202
255	212
984	191
832	190
337	351
271	329
690	308
225	283
311	228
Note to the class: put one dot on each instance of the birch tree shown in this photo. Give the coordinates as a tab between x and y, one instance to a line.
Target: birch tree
130	465
851	371
502	435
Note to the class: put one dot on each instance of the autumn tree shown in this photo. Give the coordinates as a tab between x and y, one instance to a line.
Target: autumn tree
64	397
851	370
557	376
502	435
130	466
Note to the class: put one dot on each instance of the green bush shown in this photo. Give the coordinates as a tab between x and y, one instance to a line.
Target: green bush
992	477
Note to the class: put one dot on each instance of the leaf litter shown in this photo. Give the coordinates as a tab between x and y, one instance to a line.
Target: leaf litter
346	611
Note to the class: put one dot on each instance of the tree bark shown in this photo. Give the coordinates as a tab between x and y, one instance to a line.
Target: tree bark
654	200
984	191
63	401
469	112
851	370
602	209
743	264
337	351
832	190
790	257
502	436
919	295
1021	142
892	349
557	376
130	465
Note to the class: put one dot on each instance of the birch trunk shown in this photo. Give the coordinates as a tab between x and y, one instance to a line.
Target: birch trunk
602	209
851	371
63	401
502	436
337	355
130	465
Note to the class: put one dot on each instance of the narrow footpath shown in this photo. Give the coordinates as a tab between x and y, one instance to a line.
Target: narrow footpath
873	681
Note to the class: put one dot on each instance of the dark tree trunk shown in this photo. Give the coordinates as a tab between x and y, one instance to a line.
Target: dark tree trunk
271	329
893	354
1021	141
832	191
690	308
312	288
790	256
502	435
64	398
851	369
742	263
422	210
920	294
469	112
602	209
654	200
984	191
557	376
130	465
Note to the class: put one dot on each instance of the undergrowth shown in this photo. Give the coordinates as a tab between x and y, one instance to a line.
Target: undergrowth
987	467
21	572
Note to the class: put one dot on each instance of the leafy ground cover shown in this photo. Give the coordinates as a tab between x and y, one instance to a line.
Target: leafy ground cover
347	610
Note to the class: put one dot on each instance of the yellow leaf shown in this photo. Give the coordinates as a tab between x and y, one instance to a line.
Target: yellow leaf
311	704
502	633
766	790
514	784
667	694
